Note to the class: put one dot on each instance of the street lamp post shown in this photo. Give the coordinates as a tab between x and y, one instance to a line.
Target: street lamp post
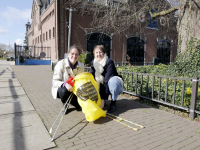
9	45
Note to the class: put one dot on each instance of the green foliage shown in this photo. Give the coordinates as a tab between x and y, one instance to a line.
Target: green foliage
186	65
89	57
86	58
81	58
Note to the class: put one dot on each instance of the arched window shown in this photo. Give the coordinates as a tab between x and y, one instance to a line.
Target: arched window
163	51
98	39
135	51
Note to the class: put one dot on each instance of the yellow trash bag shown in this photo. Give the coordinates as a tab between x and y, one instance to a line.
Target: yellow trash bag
87	91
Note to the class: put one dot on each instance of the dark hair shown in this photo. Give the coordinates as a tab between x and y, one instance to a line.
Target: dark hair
101	47
75	47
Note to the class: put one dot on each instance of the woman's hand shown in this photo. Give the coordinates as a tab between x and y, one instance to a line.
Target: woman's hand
69	87
102	103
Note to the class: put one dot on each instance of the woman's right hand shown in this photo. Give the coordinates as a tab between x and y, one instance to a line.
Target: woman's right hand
69	87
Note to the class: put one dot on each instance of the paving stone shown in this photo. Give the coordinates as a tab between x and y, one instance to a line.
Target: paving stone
162	129
90	147
9	83
11	91
79	146
24	132
20	127
14	104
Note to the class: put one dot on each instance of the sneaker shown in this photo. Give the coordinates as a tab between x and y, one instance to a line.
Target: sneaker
78	109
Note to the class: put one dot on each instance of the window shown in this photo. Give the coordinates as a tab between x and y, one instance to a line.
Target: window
152	24
53	32
135	50
49	34
98	39
163	51
40	38
36	17
46	36
43	37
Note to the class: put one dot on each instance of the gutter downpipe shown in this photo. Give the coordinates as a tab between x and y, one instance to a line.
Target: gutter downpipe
69	27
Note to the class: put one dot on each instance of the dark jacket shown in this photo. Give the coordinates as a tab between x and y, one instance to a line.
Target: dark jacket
109	72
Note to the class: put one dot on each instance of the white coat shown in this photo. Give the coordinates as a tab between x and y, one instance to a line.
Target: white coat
62	72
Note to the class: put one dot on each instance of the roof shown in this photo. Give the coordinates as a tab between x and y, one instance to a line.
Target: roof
42	2
39	2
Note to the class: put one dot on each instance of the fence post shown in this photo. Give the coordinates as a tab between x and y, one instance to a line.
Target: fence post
34	51
193	97
15	53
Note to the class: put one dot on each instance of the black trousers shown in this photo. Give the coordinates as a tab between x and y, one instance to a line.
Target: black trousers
63	94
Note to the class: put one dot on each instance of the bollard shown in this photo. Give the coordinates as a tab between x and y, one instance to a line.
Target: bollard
193	97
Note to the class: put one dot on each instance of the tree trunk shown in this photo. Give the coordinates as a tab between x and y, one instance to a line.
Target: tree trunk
188	25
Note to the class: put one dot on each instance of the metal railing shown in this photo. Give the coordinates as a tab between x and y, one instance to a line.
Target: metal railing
177	92
166	90
32	52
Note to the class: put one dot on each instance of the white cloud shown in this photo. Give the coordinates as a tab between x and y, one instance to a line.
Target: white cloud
13	15
19	42
3	31
21	34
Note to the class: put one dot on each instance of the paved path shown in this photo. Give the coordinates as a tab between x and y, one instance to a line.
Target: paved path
20	126
162	130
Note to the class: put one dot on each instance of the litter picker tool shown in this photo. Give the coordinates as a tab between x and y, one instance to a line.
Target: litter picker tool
119	120
63	111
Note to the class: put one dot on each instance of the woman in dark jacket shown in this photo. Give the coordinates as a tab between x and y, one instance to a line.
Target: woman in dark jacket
105	73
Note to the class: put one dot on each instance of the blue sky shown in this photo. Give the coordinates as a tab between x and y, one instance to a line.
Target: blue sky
14	15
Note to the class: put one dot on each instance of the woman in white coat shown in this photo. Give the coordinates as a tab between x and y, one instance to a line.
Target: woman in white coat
62	72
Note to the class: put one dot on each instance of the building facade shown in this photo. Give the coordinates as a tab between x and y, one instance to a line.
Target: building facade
41	32
58	25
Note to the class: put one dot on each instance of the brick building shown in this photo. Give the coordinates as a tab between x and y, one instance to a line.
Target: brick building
42	30
55	24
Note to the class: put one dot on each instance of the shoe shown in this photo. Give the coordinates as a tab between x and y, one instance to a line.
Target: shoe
112	107
78	109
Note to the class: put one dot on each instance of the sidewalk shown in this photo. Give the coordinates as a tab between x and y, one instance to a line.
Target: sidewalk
20	126
162	130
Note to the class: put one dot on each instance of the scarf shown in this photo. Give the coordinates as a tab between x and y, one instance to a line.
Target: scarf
98	66
71	65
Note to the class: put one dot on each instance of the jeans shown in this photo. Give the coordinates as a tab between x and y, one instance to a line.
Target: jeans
115	87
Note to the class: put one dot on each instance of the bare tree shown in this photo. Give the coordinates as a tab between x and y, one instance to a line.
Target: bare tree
3	48
6	48
117	16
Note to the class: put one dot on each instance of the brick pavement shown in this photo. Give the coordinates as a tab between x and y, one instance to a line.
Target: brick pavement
162	130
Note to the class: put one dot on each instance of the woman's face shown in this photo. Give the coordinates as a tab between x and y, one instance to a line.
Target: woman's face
73	56
98	54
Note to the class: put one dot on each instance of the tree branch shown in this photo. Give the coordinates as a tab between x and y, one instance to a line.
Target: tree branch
165	12
196	4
